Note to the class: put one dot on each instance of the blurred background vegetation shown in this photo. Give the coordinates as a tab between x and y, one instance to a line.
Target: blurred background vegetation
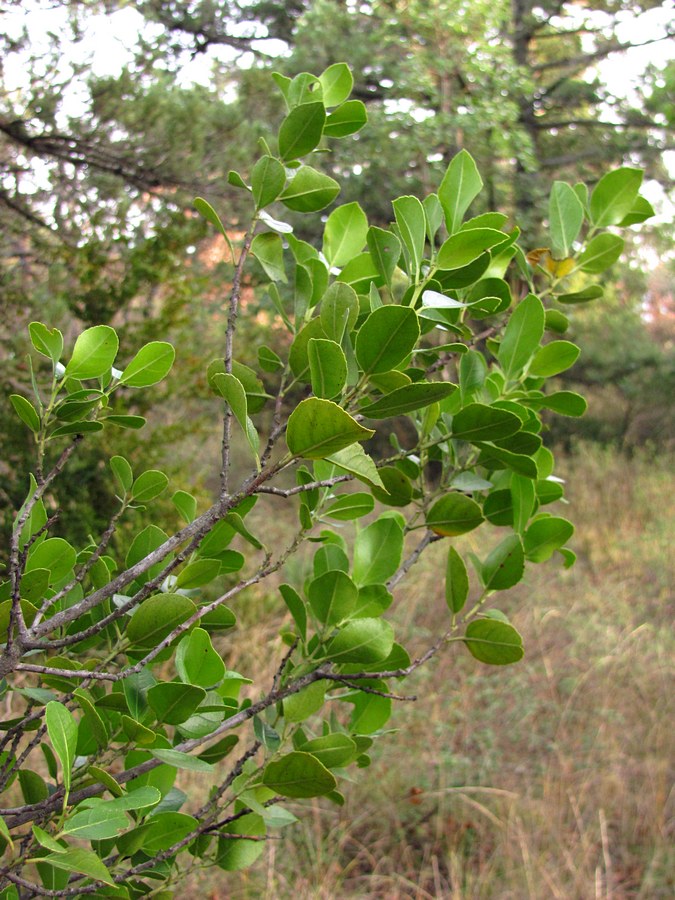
113	116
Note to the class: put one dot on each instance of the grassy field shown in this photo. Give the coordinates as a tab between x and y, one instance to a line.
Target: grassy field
549	779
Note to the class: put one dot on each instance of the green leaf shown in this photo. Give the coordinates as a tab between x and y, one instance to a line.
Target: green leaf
34	790
268	250
408	398
361	641
151	364
85	862
339	310
332	597
182	761
505	565
268	178
465	247
522	335
156	618
336	82
640	212
614	196
566	216
461	184
545	536
134	422
350	506
347	119
174	703
554	358
62	731
317	428
94	353
26	412
601	252
454	514
54	554
493	642
304	88
48	342
378	550
592	292
327	366
433	214
333	750
310	191
268	360
233	392
344	234
149	485
354	459
411	223
301	130
298	775
234	854
386	338
123	473
96	824
304	703
197	662
477	422
385	251
207	212
456	581
198	573
566	403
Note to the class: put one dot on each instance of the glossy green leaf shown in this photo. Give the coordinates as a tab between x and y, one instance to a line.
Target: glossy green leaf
123	472
94	353
62	732
433	214
364	640
156	618
268	360
454	514
332	597
614	196
354	459
350	506
411	222
333	750
505	565
268	178
493	642
344	234
317	428
566	403
640	212
327	366
545	536
268	250
298	775
601	252
566	216
378	550
26	412
133	422
522	336
198	573
301	130
461	184
54	554
386	338
196	660
304	703
149	485
408	398
296	607
207	212
173	703
554	358
592	292
465	247
397	490
385	251
309	191
456	581
96	824
151	364
347	119
47	341
477	422
182	761
84	862
336	82
339	311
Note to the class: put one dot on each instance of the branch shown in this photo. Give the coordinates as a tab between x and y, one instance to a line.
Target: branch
585	59
407	564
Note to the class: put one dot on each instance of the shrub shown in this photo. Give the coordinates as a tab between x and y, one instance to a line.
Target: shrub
113	666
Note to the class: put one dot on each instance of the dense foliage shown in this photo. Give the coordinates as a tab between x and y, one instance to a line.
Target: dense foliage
431	341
